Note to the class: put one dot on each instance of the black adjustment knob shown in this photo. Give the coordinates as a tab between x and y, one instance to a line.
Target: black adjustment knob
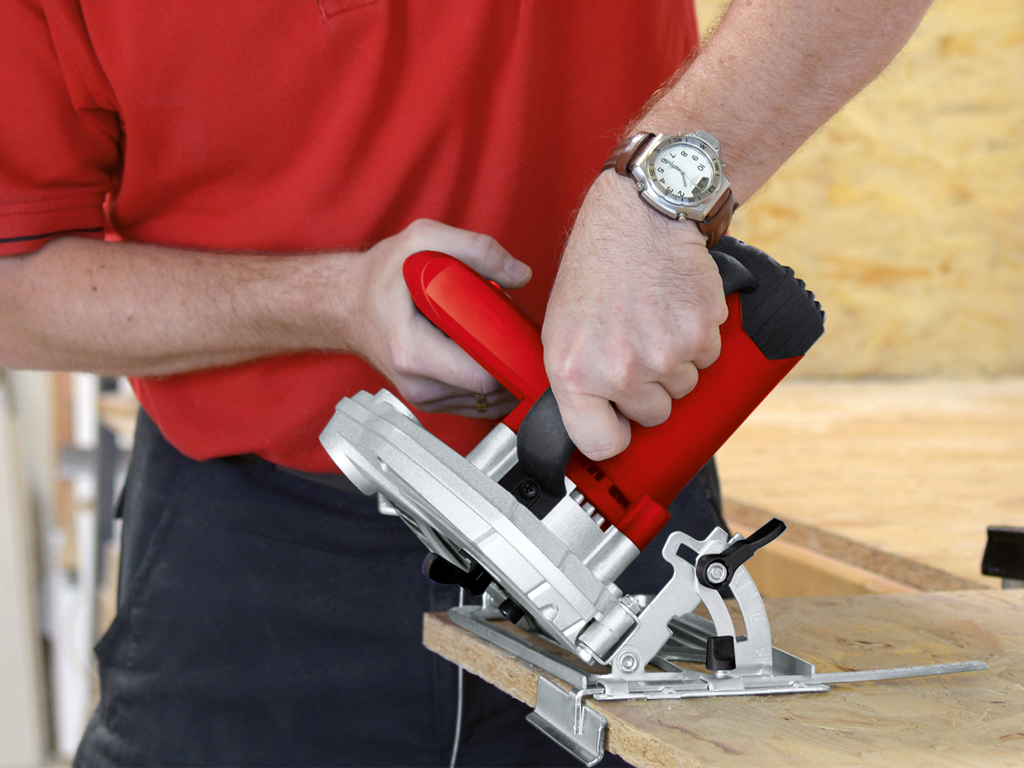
511	611
439	570
1004	553
716	571
721	655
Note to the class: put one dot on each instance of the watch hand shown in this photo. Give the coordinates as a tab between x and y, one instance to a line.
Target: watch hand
686	182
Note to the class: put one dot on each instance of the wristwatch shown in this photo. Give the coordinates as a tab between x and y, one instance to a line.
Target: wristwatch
680	176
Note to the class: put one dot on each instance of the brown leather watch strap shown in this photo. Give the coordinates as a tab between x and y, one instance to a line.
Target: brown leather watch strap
621	158
718	219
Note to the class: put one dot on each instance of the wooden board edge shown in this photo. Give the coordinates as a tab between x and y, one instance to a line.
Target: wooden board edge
878	571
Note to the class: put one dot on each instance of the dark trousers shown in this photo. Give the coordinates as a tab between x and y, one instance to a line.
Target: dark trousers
264	619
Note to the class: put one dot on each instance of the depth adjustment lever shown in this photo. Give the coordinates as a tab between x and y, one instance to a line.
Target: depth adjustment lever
716	571
440	571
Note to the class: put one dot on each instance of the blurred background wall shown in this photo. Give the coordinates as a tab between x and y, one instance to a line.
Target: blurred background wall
905	214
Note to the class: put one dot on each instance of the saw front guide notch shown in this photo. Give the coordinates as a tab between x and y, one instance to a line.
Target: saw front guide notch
542	534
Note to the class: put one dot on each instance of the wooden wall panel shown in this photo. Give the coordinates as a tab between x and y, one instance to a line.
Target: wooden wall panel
905	214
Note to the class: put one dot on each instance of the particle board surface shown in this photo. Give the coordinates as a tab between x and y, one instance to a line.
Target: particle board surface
810	562
968	719
905	213
916	469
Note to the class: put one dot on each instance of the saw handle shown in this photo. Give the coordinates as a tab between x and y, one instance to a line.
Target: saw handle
543	444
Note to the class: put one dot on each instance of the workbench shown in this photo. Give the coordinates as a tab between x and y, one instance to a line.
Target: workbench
966	719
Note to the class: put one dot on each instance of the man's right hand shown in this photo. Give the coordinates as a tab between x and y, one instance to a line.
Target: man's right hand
429	370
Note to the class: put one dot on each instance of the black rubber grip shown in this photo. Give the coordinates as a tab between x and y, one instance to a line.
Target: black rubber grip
543	445
780	316
1004	552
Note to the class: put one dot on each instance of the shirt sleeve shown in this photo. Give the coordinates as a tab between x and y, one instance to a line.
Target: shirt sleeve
59	145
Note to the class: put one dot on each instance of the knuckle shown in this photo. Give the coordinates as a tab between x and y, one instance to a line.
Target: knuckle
662	360
403	361
697	337
567	373
418	234
719	311
710	350
619	372
685	382
599	447
487	249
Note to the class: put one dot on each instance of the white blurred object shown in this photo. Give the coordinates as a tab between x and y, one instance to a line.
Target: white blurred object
22	740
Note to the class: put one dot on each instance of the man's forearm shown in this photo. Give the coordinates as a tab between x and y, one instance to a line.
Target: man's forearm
635	308
128	308
774	72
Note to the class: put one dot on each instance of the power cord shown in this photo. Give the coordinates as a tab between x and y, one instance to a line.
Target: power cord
458	705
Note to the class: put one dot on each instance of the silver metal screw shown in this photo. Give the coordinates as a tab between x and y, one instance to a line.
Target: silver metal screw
628	662
716	573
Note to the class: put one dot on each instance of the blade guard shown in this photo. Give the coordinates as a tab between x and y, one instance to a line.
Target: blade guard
773	321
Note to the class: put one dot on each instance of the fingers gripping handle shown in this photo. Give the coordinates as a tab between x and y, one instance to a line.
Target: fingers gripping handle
773	321
544	446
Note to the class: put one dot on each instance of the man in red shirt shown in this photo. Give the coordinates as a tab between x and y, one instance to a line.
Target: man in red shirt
216	200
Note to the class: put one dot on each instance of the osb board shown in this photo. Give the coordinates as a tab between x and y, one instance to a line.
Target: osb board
974	718
916	469
905	214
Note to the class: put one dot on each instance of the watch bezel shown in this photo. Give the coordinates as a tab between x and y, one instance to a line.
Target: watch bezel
677	207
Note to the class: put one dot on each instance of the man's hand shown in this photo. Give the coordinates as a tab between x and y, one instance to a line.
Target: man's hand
429	370
633	316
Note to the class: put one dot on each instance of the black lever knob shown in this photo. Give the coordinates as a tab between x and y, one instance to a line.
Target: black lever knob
716	571
440	571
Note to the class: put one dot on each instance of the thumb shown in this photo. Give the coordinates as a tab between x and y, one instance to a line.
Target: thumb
481	252
487	257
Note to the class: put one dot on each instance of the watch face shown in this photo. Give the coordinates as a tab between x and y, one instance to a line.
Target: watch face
684	172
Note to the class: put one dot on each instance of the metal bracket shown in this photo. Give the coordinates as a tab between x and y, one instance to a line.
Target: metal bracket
562	717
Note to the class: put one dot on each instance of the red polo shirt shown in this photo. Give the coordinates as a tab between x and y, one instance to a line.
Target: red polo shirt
303	125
